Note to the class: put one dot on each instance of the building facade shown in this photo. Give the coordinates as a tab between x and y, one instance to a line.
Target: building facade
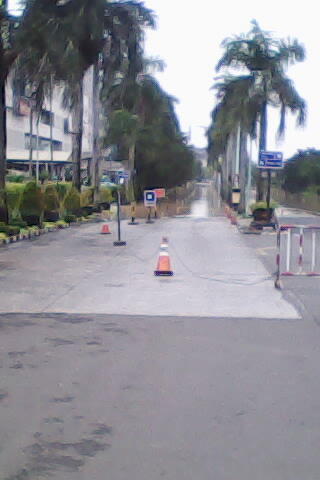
29	132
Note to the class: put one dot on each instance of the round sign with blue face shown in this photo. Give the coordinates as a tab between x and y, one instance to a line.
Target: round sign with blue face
150	198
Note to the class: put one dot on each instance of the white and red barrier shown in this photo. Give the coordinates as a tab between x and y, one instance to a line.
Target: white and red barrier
296	266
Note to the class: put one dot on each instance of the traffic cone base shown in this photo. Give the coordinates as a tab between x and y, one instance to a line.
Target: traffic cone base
105	229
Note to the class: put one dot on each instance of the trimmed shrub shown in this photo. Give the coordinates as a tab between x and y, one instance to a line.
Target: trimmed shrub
18	223
51	204
72	203
9	229
86	197
262	205
14	193
70	218
105	195
3	209
43	176
15	178
31	206
62	190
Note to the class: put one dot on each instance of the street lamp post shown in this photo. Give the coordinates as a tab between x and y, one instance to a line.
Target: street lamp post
119	242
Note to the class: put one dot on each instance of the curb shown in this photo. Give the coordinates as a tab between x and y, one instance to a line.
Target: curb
37	233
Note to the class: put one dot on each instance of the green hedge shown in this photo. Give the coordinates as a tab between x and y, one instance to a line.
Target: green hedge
32	204
51	204
72	203
14	195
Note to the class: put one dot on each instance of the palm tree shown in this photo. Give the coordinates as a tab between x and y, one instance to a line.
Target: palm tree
115	23
266	59
36	18
123	64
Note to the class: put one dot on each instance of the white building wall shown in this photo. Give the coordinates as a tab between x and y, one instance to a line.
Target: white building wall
19	125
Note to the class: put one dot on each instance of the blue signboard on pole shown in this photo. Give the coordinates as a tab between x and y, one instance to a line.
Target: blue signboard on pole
150	198
271	160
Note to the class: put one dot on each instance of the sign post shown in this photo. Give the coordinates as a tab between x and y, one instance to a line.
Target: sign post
150	200
133	214
119	242
270	161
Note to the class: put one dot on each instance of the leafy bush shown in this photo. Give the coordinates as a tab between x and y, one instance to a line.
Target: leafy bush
70	218
3	209
72	202
61	223
9	229
86	197
259	205
105	195
3	236
18	223
43	176
51	204
15	178
14	193
49	224
62	189
32	203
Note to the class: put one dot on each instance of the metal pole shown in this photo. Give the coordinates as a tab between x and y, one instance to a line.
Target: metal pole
277	283
288	250
269	189
248	187
119	232
313	261
301	249
119	243
37	164
237	165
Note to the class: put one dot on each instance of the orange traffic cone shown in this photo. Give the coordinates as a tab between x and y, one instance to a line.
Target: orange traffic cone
163	267
105	229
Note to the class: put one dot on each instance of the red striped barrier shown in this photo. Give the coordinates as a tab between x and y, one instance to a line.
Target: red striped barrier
300	262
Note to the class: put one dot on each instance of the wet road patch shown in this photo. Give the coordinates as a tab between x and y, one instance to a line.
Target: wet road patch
58	342
66	399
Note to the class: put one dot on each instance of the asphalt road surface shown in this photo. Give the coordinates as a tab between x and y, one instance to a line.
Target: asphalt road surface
110	372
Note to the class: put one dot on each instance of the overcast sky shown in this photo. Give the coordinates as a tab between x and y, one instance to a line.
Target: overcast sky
188	38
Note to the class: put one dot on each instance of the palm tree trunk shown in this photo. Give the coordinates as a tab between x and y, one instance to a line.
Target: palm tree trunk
3	133
262	147
132	150
77	128
3	151
30	141
95	130
243	172
51	122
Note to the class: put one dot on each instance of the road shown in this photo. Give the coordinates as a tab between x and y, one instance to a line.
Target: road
110	372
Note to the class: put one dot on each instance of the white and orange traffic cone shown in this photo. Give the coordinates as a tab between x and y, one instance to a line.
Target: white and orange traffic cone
163	267
105	229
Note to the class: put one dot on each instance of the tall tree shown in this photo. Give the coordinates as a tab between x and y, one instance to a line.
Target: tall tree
266	59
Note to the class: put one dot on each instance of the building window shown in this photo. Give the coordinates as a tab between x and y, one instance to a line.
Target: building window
66	126
44	143
46	117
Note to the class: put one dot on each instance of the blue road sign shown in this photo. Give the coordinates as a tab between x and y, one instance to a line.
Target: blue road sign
150	198
271	160
124	175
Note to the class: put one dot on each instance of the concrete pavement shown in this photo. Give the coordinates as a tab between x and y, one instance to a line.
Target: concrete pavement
90	388
79	271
